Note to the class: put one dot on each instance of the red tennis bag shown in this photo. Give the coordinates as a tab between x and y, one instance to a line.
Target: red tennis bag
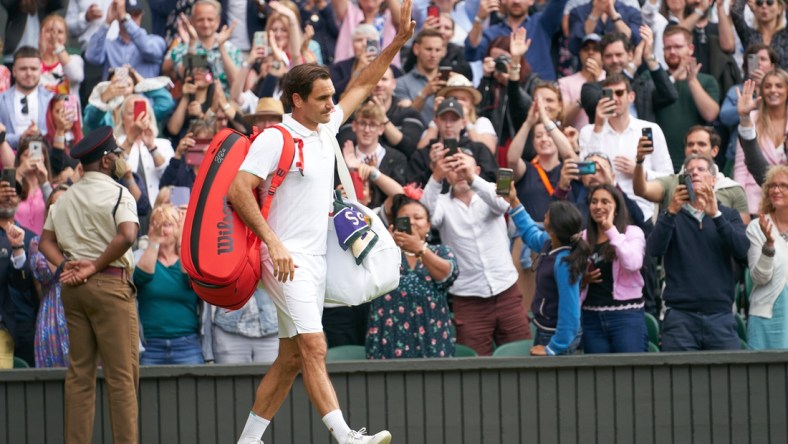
219	252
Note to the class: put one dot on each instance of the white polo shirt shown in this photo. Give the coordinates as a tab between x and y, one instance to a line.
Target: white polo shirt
299	212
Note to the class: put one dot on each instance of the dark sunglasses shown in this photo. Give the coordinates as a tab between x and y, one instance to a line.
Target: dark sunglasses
619	92
25	109
768	2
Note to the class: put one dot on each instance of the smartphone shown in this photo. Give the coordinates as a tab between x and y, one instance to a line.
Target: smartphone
607	93
179	196
36	149
373	47
503	181
585	168
753	64
71	108
648	133
453	146
9	175
402	224
445	72
140	106
195	154
121	73
686	180
433	11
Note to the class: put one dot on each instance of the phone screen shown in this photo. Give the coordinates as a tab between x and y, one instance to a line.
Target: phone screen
445	73
36	150
452	145
504	181
402	224
686	180
373	47
752	63
70	107
139	107
9	175
585	168
649	133
179	196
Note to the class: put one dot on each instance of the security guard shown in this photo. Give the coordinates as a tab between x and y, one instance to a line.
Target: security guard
89	233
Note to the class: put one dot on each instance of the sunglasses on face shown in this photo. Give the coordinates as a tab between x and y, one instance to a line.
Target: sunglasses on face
768	2
619	92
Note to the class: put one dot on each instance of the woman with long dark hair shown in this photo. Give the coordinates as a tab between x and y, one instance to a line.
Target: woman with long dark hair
612	294
559	268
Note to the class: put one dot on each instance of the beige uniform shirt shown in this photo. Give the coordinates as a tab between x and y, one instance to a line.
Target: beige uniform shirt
83	221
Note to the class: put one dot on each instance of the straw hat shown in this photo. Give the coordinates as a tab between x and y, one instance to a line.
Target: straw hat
460	82
267	106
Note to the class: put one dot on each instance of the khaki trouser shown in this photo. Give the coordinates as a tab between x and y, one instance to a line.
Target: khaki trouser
102	321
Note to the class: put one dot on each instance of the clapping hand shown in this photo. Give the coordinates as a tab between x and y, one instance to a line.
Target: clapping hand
766	229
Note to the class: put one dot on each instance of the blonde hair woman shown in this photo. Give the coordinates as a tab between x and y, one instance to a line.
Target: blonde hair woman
768	256
168	307
770	115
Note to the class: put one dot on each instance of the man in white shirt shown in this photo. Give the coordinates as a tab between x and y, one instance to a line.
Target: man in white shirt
295	234
616	133
486	302
23	107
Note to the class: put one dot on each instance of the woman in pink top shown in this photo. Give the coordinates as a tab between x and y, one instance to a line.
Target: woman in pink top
32	178
771	126
384	19
612	290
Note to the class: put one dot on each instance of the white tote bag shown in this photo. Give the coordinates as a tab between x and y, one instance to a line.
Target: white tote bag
378	274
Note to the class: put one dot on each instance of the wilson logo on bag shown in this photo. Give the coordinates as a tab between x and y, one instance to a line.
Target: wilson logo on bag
219	252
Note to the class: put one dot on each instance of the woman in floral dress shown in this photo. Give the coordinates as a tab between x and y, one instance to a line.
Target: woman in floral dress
51	341
414	320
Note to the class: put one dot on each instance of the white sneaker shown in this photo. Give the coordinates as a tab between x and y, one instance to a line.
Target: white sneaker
361	437
251	441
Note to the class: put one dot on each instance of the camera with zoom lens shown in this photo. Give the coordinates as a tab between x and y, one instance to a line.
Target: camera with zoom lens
502	63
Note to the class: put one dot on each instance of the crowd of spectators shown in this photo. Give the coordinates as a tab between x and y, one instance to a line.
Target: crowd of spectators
645	141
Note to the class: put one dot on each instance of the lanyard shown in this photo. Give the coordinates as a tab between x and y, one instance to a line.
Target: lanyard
542	175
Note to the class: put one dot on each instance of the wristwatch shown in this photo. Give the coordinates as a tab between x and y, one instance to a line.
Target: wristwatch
59	49
125	17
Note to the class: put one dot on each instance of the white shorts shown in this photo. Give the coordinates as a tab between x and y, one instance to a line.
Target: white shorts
299	303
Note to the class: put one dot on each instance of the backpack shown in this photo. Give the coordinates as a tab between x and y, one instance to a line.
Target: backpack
219	252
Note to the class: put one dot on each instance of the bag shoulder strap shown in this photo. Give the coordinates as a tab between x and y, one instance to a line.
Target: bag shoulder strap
285	160
542	175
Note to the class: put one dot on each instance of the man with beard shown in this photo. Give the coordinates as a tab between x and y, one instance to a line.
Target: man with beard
417	88
403	126
698	93
540	29
89	234
650	82
23	106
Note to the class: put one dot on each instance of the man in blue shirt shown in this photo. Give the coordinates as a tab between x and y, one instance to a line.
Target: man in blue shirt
540	29
134	46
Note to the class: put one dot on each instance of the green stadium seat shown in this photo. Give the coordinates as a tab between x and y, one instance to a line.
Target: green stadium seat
652	347
20	363
652	327
463	351
741	328
346	353
516	348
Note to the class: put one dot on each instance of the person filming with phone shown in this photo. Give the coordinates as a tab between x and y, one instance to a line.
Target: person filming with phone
488	307
182	169
451	123
699	237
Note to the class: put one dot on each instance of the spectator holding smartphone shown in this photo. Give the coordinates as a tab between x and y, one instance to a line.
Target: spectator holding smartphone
414	320
488	307
145	152
562	261
32	174
699	237
611	294
64	130
182	170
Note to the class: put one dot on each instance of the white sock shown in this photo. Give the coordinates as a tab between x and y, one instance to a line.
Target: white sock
254	428
337	426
